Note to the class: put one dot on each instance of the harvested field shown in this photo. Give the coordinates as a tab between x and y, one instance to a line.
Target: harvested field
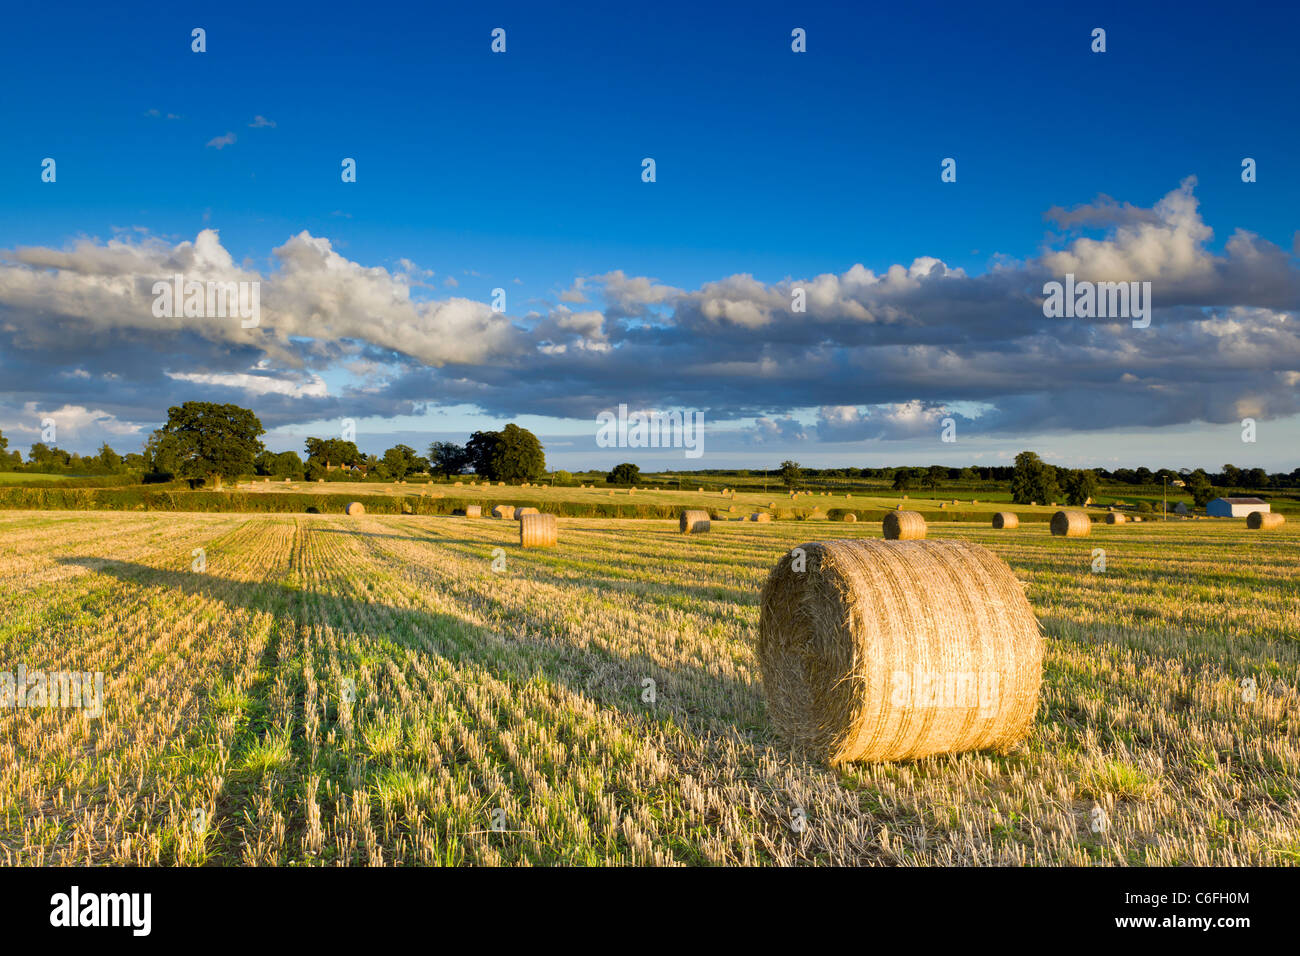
353	690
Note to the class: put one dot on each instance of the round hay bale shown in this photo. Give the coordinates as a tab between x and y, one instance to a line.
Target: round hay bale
699	489
943	505
1137	518
732	508
693	522
538	531
954	501
355	508
1033	504
520	512
1071	524
760	516
1006	519
473	511
850	517
771	504
873	651
503	511
898	507
1263	520
904	525
611	494
904	497
501	484
1114	517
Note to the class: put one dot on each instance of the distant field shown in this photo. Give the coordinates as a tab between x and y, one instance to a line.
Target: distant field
350	691
29	478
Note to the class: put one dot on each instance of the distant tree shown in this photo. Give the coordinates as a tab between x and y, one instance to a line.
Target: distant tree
401	460
1256	478
109	460
624	474
1200	488
1033	480
1079	486
1231	476
447	459
562	478
214	442
162	456
1144	476
935	476
968	474
512	454
790	473
285	464
905	479
331	452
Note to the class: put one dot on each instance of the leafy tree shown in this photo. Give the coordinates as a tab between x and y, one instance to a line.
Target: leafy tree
214	442
447	458
401	460
285	464
512	454
1080	485
162	456
1256	478
968	474
905	479
935	476
1231	475
562	478
624	474
1199	487
790	473
332	451
109	460
1033	480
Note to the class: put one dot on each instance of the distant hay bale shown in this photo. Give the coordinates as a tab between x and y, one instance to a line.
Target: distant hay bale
1137	518
850	517
954	501
503	511
473	511
1114	517
538	531
355	508
1263	520
501	484
521	511
699	489
898	507
943	505
904	497
1006	520
1033	504
611	494
760	516
1071	524
904	525
693	522
732	508
771	504
876	651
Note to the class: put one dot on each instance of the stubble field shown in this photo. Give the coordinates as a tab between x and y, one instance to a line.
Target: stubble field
396	690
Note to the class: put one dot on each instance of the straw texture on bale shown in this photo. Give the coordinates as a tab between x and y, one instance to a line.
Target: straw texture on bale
503	511
355	508
904	525
1071	524
521	511
1114	517
760	516
1263	520
1006	519
473	511
537	531
693	522
874	651
850	517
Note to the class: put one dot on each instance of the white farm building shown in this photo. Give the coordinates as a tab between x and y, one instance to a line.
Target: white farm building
1235	507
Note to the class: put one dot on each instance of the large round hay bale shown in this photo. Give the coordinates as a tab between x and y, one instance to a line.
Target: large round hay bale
1263	520
1114	517
537	531
503	511
355	508
693	522
760	516
904	525
850	517
1071	524
473	511
877	651
1006	519
520	512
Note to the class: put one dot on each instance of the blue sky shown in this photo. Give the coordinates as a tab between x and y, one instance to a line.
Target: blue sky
522	171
